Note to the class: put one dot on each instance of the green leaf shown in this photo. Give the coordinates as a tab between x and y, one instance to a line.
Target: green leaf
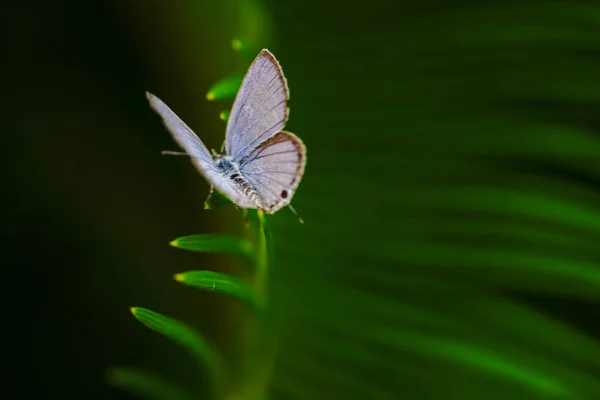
246	49
181	333
145	384
220	283
225	88
215	244
237	44
224	115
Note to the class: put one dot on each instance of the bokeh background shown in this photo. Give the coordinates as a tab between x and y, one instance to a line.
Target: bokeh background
451	196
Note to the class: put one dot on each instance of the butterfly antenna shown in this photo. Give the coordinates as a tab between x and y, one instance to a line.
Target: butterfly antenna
292	209
173	153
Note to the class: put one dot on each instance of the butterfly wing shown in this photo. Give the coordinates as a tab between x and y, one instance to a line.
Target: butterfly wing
259	110
198	153
274	168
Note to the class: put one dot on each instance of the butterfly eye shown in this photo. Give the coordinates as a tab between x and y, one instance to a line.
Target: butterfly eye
284	194
233	176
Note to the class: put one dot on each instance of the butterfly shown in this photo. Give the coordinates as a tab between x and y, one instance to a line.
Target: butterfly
262	165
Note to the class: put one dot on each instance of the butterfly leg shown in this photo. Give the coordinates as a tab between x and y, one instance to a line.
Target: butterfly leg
207	201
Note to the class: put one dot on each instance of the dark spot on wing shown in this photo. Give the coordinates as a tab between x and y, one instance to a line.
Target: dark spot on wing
284	194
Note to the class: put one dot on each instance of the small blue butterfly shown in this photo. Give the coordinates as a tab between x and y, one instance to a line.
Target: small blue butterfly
262	165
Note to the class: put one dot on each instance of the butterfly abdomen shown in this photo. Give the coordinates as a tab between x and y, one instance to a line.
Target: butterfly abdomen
230	169
247	189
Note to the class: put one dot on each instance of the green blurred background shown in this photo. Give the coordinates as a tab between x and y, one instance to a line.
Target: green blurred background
451	196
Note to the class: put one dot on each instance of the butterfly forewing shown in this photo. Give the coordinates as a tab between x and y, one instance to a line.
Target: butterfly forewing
182	134
259	110
198	153
274	169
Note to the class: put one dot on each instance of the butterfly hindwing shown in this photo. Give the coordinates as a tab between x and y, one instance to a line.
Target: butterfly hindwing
274	169
259	110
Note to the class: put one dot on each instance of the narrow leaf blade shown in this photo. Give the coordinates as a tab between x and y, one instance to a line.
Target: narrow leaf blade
182	334
224	115
226	88
145	384
215	244
220	283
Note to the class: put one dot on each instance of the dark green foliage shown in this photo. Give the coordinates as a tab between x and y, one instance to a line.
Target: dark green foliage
452	189
256	347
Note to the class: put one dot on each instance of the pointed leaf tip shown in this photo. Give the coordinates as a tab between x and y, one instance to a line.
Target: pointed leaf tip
225	88
215	244
178	277
224	115
237	44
